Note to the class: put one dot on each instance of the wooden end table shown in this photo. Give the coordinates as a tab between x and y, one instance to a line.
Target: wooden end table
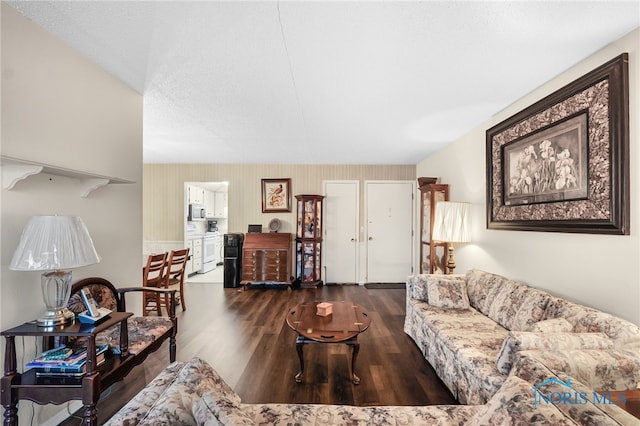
344	325
15	386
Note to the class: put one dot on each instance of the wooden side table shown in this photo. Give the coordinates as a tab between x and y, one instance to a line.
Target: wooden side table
15	386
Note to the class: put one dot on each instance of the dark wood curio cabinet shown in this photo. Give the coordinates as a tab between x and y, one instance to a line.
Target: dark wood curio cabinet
433	256
309	240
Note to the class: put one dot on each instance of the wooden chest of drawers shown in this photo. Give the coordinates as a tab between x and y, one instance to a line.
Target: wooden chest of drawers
266	258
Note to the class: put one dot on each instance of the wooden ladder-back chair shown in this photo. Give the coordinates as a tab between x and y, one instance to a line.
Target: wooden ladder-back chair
153	275
174	275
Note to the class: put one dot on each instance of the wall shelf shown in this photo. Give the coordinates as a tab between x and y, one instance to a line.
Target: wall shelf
15	169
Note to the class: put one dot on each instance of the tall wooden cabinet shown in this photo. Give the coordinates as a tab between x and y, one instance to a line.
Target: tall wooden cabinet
309	240
433	256
266	259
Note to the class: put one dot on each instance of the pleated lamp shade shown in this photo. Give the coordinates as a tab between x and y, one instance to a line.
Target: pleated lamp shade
50	243
451	222
54	244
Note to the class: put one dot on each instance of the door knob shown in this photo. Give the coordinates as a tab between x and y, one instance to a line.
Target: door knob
370	238
353	240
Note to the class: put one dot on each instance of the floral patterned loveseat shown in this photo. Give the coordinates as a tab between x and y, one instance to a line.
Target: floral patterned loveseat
145	334
472	328
192	393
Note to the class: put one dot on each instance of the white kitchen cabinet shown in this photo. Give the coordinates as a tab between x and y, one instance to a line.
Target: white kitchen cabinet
189	268
197	254
194	264
210	202
195	194
220	204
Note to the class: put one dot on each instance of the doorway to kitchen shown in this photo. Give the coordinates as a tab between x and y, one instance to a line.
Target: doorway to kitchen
206	222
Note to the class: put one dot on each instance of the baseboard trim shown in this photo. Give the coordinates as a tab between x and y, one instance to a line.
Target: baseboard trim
375	286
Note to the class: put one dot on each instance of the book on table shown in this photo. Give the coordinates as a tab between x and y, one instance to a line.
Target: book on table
78	370
73	364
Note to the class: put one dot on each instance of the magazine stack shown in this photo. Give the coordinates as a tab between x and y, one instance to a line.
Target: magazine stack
64	361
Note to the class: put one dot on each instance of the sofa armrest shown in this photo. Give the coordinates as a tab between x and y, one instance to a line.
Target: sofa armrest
216	408
600	369
518	341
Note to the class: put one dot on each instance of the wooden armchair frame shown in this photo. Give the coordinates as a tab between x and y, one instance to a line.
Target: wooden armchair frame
118	295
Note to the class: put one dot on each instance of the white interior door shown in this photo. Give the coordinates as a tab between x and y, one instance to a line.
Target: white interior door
340	240
389	233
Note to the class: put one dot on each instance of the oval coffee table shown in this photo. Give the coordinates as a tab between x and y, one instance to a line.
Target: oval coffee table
344	325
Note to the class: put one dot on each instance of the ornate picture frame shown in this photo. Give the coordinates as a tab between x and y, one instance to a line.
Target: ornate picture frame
562	164
276	195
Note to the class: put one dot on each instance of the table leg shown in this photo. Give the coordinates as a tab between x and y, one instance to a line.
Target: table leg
90	394
354	357
299	344
9	397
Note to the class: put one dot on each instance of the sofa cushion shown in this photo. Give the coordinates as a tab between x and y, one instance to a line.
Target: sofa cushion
417	287
142	331
447	292
623	333
512	304
588	320
442	333
480	285
530	305
217	408
555	325
516	404
521	341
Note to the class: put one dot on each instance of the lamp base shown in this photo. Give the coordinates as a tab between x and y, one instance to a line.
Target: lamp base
54	318
451	261
56	289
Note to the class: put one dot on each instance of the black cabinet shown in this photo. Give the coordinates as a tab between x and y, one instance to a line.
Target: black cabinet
232	260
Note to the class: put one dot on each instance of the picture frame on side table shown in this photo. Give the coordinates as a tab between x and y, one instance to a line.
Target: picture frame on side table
276	195
562	164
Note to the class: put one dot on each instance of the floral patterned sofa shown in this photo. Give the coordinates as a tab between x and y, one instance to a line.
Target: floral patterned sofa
472	328
192	393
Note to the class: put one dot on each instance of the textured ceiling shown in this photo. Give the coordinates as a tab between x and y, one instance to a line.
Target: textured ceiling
327	82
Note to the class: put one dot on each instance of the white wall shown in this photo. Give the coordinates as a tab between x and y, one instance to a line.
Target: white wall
595	270
58	108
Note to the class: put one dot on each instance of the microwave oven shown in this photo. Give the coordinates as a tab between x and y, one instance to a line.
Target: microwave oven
197	212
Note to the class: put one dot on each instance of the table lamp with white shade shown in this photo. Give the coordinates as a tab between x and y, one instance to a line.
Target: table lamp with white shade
54	244
451	225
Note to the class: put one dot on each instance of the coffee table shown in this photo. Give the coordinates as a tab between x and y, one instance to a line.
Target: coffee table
344	325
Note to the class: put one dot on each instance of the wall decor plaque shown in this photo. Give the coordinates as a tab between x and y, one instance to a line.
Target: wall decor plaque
562	164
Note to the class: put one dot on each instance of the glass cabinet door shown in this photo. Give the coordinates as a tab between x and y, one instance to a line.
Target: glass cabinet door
432	255
309	240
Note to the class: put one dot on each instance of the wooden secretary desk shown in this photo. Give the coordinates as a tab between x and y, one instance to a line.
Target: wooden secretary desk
266	259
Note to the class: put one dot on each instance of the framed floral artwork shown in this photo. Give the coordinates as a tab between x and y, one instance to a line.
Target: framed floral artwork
276	195
562	164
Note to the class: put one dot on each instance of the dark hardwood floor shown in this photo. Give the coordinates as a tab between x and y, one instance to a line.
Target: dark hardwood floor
244	336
